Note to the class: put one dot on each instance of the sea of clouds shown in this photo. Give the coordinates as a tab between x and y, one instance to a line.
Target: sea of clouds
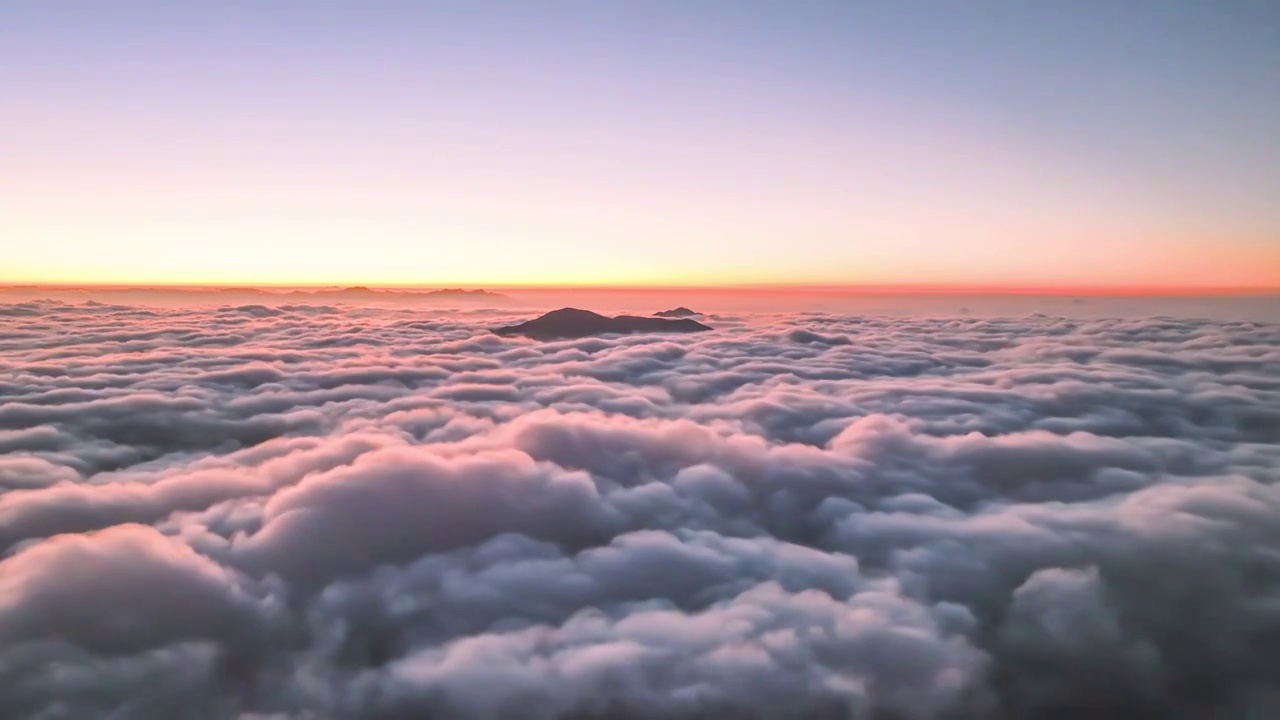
339	513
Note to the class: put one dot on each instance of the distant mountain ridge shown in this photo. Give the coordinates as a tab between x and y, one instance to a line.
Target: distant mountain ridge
362	290
680	312
354	292
567	323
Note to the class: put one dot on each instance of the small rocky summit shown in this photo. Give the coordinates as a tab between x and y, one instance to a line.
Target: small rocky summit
680	312
575	323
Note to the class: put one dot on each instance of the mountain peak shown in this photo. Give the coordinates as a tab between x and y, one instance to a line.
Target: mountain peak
680	312
576	323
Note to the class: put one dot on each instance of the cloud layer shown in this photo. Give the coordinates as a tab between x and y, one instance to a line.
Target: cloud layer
319	512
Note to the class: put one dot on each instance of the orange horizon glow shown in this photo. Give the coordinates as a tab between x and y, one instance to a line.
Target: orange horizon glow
725	288
112	251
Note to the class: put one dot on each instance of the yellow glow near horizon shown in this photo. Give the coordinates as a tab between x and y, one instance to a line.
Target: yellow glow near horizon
82	229
297	252
165	274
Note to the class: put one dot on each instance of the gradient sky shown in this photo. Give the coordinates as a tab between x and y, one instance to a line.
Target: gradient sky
1072	143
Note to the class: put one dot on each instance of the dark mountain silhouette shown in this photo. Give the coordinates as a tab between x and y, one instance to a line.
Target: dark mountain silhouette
575	323
680	312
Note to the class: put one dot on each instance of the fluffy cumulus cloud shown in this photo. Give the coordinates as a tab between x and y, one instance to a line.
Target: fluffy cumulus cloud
342	513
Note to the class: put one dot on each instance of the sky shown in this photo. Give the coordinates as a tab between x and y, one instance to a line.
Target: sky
916	144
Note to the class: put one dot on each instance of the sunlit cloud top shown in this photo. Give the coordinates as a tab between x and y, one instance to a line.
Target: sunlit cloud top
1085	144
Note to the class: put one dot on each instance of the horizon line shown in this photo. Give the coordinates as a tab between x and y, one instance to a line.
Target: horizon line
769	288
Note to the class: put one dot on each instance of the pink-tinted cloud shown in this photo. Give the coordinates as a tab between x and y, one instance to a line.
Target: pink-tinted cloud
375	512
